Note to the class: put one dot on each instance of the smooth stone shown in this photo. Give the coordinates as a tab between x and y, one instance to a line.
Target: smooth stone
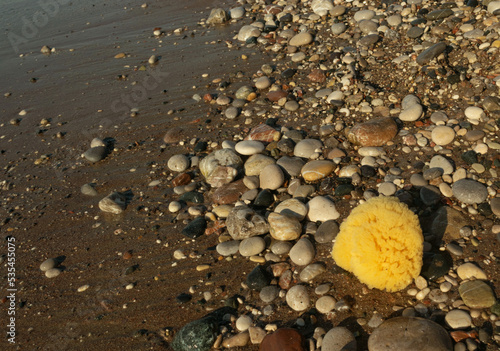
301	39
495	206
409	100
344	189
297	298
217	16
321	209
348	171
491	103
258	278
469	191
269	293
263	133
435	265
271	177
409	334
219	159
458	319
228	248
284	227
174	135
97	142
249	147
494	7
302	253
338	10
88	189
292	207
325	304
238	340
371	151
243	92
178	163
256	163
248	31
292	106
430	53
229	193
262	83
96	154
265	198
414	32
195	228
232	112
369	40
52	272
474	113
376	132
470	157
447	223
243	323
412	113
192	196
252	246
477	294
326	232
243	222
364	15
367	26
286	145
298	57
306	147
442	162
49	264
430	195
338	28
113	203
445	189
387	188
291	165
470	270
281	247
442	135
302	192
237	12
432	173
338	339
317	169
439	14
321	7
311	271
197	335
417	179
283	339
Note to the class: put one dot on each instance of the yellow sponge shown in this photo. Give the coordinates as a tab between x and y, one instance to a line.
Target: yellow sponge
381	242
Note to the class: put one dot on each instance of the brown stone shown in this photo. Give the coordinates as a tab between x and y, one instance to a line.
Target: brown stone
283	339
317	76
174	135
273	9
285	279
263	133
275	95
375	132
317	169
447	223
181	179
229	193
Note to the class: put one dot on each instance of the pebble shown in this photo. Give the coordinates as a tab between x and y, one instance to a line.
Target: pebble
458	319
283	339
291	165
113	203
376	132
252	246
49	264
387	189
442	162
412	113
271	177
243	222
284	227
301	39
469	191
178	163
321	209
326	232
243	323
470	270
443	135
52	272
339	339
310	272
88	189
430	53
302	253
249	147
305	148
317	170
269	293
292	207
256	163
476	294
297	298
238	340
96	154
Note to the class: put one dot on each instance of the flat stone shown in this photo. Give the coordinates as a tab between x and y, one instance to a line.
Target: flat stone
284	227
305	148
174	135
409	334
238	340
302	253
432	173
301	39
439	14
292	207
229	193
447	223
252	246
412	113
317	170
113	203
95	154
458	319
243	222
338	28
263	133
271	177
256	163
338	339
470	270
430	53
376	132
321	209
178	163
469	191
326	232
310	272
228	248
249	147
442	135
369	40
430	195
442	162
414	32
297	298
283	339
195	228
477	294
364	15
368	26
258	278
269	293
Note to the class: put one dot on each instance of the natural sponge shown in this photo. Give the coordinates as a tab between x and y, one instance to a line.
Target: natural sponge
381	242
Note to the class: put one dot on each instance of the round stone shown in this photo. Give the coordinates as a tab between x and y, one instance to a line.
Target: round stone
321	209
228	248
364	15
412	113
470	270
477	294
301	39
252	246
232	112
325	304
317	169
302	253
249	147
248	31
178	163
338	28
474	114
311	271
269	293
49	264
291	165
292	207
256	163
52	272
271	177
262	83
326	232
284	227
458	319
387	189
443	135
442	162
95	154
305	148
339	339
297	298
243	323
469	191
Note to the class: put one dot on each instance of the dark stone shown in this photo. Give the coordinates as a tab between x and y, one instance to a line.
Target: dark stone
326	232
285	339
198	335
484	209
439	14
415	32
200	146
258	278
436	265
286	145
453	79
286	18
432	173
96	154
430	53
251	40
229	193
192	196
183	298
418	21
344	189
288	73
430	195
271	122
195	228
472	3
469	157
327	185
368	171
264	199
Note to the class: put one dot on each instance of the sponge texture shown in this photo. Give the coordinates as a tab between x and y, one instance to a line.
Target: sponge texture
381	242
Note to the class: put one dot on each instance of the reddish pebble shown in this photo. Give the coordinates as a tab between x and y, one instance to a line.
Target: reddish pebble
283	339
181	179
127	255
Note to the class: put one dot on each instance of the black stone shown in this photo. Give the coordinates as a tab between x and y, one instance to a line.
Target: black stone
327	185
436	265
484	209
184	297
264	199
96	154
415	32
469	157
271	121
343	189
251	40
286	18
200	146
195	228
453	79
439	14
288	73
286	145
418	21
198	335
258	278
192	196
368	171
